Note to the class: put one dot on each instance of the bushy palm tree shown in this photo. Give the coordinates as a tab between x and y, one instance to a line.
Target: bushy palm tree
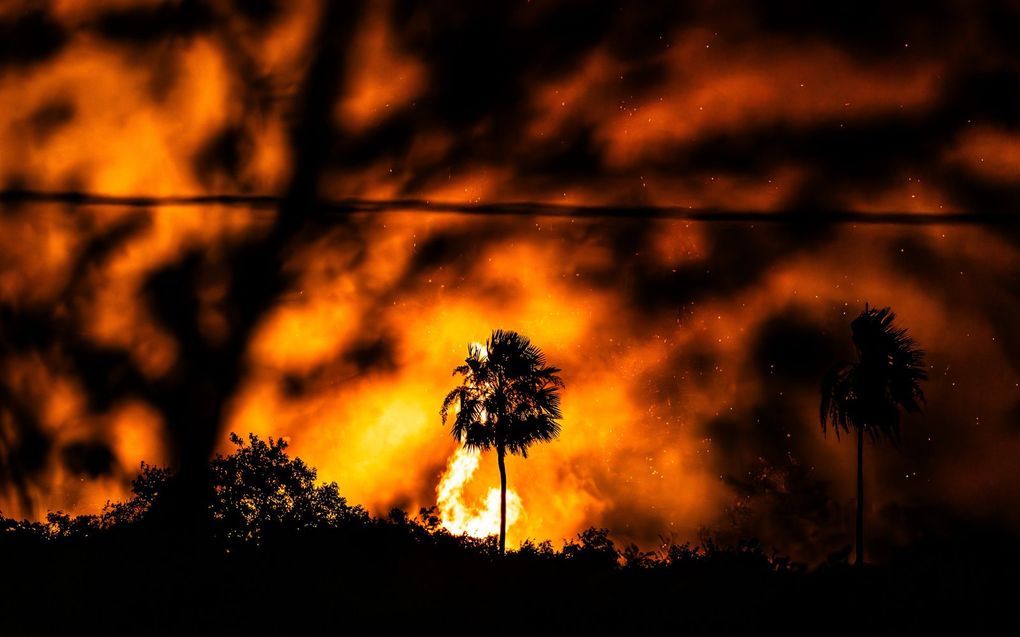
508	400
866	396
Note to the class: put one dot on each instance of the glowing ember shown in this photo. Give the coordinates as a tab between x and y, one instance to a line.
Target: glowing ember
460	518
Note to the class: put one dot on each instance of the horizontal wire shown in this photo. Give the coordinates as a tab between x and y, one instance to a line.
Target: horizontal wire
521	208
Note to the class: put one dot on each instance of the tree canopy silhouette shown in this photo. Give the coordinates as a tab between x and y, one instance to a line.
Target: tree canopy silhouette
276	561
508	400
866	396
255	491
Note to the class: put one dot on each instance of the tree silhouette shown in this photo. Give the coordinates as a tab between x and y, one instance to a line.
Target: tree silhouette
257	490
866	396
508	400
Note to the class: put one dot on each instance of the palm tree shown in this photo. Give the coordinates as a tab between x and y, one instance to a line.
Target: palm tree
866	396
508	400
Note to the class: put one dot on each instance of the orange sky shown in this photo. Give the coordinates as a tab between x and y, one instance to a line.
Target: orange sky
691	351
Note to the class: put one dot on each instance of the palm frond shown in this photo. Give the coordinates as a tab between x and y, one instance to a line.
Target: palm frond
452	397
869	394
838	399
470	427
509	396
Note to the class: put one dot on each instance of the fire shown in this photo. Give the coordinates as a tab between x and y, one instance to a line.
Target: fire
480	519
655	322
483	351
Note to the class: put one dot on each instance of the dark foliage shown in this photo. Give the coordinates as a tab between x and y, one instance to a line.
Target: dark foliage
509	398
867	395
287	555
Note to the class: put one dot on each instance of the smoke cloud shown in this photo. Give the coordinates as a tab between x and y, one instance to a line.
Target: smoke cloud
691	350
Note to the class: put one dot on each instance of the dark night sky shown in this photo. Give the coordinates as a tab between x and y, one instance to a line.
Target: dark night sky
692	349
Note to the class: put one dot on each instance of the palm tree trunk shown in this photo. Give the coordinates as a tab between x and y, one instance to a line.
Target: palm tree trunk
502	501
860	498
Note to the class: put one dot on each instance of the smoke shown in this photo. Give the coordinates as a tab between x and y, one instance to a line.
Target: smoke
691	350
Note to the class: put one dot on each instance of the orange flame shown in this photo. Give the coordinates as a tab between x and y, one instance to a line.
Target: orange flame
659	385
480	519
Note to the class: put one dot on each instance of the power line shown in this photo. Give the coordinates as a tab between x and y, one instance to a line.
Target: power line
519	208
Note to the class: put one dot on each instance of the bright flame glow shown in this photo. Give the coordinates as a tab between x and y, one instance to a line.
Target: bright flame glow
479	520
483	352
655	323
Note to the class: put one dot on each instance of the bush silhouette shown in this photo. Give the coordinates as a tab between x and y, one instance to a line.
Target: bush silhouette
283	554
254	491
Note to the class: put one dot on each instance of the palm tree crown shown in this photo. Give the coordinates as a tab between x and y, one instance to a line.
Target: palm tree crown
867	395
509	398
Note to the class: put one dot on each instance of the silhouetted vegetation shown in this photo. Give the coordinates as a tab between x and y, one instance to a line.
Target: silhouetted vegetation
508	401
867	396
285	554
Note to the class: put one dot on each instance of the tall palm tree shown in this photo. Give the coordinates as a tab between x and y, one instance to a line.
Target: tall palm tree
866	396
508	400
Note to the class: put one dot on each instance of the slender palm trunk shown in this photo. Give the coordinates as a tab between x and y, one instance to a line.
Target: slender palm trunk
500	453
860	498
